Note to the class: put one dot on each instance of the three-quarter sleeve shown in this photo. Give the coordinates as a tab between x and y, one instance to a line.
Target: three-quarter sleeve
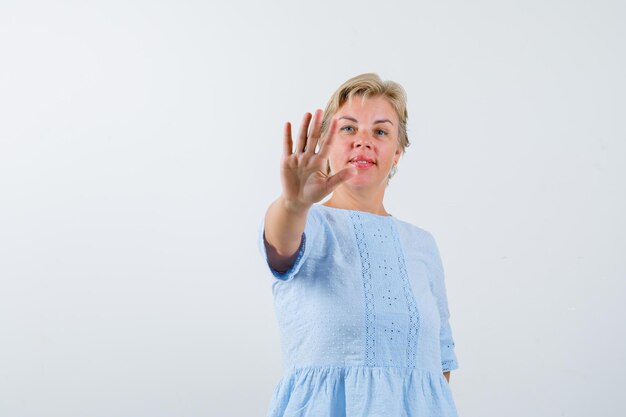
306	244
449	360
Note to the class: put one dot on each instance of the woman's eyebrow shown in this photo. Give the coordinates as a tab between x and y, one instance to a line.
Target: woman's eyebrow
356	121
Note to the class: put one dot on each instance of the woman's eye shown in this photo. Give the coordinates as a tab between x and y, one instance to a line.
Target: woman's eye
347	129
380	132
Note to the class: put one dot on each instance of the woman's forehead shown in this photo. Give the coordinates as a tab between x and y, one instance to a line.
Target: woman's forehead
367	109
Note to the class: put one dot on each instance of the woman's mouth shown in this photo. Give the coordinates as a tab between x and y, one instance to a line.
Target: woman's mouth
362	164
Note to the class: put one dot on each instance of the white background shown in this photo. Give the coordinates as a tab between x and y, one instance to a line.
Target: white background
140	146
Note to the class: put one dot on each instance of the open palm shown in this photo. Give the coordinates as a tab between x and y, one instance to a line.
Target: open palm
303	171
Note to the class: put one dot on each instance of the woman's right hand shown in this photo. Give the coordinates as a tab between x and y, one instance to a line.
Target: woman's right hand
303	172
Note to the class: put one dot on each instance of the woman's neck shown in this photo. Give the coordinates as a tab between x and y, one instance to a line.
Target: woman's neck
355	201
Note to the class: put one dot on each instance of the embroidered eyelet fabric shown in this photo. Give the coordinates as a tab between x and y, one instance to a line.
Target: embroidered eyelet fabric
364	320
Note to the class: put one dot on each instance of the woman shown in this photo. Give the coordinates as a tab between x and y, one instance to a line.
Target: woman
359	295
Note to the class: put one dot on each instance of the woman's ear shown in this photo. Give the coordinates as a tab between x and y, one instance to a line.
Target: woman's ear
397	156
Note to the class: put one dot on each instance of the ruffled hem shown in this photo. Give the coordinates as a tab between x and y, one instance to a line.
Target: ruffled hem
362	391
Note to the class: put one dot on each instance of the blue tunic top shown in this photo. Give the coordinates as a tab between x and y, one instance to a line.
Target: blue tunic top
364	320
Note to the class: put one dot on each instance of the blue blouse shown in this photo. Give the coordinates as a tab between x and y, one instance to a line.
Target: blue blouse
364	320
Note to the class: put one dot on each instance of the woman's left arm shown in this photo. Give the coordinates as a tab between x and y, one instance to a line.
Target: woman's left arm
448	356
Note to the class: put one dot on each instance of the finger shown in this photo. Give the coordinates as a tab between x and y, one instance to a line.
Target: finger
328	139
287	142
304	129
341	177
315	132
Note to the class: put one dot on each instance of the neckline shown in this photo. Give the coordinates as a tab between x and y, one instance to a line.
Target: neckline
357	211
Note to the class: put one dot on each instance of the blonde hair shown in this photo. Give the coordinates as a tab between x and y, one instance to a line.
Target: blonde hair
370	85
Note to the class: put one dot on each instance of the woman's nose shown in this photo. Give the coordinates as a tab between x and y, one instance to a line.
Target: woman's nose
362	140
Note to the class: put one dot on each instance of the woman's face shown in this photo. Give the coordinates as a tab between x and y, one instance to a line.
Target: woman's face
366	137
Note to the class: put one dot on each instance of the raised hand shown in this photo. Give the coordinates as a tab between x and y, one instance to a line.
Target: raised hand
303	171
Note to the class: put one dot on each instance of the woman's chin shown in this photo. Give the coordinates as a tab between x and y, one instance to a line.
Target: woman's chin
361	181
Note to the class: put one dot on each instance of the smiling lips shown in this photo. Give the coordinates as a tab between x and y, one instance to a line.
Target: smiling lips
361	161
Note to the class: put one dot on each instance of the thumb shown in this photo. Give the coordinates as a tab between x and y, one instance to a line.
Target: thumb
341	177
